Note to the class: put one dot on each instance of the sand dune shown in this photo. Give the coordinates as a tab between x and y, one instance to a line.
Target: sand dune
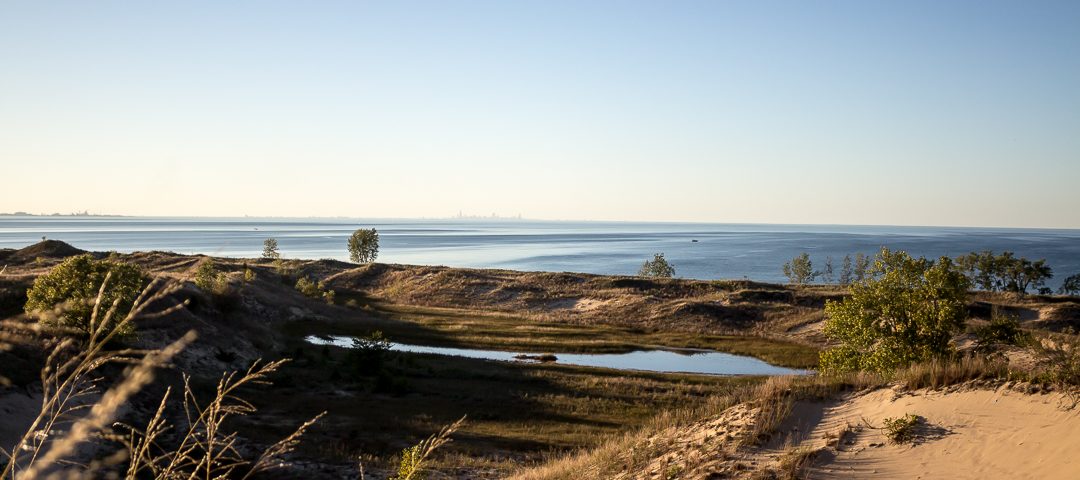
984	434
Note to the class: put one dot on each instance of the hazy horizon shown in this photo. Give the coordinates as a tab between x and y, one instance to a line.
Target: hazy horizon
481	218
836	113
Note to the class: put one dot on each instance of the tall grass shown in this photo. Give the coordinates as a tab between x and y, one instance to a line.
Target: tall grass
75	412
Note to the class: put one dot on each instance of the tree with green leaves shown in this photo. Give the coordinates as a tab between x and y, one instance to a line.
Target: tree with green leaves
827	272
1020	274
983	269
862	267
364	245
1006	271
76	283
270	249
658	267
1071	285
845	270
906	310
800	269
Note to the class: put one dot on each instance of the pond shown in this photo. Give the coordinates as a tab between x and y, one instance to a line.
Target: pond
664	361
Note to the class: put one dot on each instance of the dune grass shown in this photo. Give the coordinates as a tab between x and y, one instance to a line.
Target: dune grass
78	409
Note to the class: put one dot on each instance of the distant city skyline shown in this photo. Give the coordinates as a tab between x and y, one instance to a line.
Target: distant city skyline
774	112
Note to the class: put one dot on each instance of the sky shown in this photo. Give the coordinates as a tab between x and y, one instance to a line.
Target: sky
826	112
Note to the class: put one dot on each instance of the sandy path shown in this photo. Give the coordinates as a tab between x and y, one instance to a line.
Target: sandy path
977	434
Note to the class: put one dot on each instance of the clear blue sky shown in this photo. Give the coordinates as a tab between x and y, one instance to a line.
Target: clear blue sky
925	113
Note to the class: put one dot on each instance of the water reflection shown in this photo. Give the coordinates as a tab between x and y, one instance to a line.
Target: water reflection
665	361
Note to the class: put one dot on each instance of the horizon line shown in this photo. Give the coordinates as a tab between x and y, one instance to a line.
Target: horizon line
529	219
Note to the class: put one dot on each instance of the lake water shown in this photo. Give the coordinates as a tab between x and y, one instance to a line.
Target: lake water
721	251
665	361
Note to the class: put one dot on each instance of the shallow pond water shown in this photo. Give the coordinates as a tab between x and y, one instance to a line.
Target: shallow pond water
665	361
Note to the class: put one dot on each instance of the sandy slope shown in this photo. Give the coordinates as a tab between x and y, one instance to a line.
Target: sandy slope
980	434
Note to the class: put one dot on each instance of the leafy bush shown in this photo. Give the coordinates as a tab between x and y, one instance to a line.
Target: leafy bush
658	267
312	289
901	430
77	281
364	245
308	287
1002	330
907	311
210	280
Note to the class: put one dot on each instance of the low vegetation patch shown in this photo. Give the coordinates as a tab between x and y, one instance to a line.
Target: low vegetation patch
83	287
1002	330
902	429
314	289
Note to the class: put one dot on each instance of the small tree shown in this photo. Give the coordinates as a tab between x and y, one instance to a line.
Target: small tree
827	272
270	249
906	311
983	269
862	266
1071	285
364	245
800	269
368	353
77	281
658	267
845	270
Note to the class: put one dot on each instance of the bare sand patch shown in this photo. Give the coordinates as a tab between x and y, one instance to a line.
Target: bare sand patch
985	434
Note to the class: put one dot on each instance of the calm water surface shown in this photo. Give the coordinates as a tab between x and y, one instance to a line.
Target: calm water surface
673	361
721	250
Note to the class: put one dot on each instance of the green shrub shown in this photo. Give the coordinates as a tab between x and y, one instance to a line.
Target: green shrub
1002	330
901	430
77	281
906	311
329	296
210	280
658	267
309	288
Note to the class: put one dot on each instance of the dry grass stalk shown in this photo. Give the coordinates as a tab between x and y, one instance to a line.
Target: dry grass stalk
413	459
69	383
68	380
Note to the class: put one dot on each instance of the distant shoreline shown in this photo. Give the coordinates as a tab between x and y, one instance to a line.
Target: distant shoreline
62	215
